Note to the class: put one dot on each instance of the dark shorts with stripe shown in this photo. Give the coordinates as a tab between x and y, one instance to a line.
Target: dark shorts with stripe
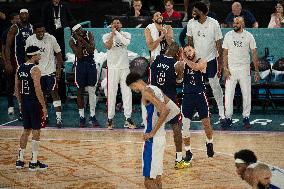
85	72
211	68
175	120
48	82
32	114
192	101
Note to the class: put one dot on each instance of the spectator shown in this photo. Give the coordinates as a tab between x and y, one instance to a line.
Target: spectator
2	16
55	16
277	18
250	21
170	13
137	10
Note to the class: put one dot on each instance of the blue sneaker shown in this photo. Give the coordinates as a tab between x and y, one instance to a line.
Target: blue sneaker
227	123
246	123
94	121
20	164
82	122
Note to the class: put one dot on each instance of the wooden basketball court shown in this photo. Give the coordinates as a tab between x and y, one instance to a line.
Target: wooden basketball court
98	158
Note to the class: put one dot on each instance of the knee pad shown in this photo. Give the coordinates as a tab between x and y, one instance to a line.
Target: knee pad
57	103
185	127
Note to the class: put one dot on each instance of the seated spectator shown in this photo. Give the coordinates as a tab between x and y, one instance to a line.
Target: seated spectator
277	18
137	10
250	21
170	13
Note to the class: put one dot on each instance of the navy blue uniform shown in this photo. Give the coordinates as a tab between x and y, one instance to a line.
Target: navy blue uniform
211	68
163	76
85	70
48	82
20	42
194	94
30	103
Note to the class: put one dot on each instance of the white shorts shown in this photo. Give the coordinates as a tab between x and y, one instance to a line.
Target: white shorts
153	156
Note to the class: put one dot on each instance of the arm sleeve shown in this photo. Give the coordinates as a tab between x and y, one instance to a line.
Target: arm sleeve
252	43
55	45
218	32
189	29
124	38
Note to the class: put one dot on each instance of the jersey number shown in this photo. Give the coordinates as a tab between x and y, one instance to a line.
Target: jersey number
161	78
25	87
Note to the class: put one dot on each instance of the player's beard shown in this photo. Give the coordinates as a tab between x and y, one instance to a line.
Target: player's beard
158	21
261	186
36	62
191	57
236	29
196	17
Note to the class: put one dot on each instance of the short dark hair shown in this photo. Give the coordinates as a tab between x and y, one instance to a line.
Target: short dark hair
31	49
132	77
201	6
12	15
246	155
38	25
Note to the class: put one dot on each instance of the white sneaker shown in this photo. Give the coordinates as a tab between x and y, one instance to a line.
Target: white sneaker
11	111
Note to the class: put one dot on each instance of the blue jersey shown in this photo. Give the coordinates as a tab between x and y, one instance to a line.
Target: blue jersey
193	82
163	75
27	89
20	42
84	49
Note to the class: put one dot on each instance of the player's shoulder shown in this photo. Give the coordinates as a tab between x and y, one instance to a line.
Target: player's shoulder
212	20
125	33
31	37
106	35
191	22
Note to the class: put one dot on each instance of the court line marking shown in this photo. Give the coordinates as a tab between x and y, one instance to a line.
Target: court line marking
9	122
88	129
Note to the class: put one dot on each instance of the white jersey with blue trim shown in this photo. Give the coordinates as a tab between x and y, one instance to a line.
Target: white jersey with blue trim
153	114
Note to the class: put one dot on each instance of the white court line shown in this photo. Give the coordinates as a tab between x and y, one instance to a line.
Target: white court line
9	122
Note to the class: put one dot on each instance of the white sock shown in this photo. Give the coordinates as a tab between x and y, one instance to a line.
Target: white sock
209	140
58	115
178	156
21	154
221	112
81	112
35	146
187	148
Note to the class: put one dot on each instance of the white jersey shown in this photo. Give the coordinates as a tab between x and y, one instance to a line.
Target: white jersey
204	37
239	46
48	46
152	113
155	35
117	56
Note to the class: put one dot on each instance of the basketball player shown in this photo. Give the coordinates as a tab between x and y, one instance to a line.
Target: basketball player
16	37
116	43
163	75
82	44
204	34
50	70
194	97
246	163
10	77
237	45
158	36
261	176
28	92
160	109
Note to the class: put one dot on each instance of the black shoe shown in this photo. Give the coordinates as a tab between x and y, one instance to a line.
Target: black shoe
210	151
188	156
129	124
246	123
109	124
20	164
228	123
37	166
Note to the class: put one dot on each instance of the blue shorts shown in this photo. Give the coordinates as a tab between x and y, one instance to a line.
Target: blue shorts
31	114
85	72
48	82
211	68
192	101
175	120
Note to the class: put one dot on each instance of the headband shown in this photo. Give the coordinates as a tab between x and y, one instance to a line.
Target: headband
77	26
34	53
24	10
